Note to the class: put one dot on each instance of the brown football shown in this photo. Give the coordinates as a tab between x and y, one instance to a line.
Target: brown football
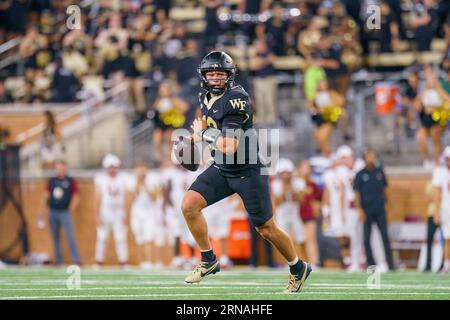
187	153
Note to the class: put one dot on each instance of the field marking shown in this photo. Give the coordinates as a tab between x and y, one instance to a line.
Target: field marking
211	286
169	271
134	288
218	294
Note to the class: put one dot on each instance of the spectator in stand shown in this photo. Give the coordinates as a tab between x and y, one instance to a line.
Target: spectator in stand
60	201
112	45
173	42
212	29
260	32
28	94
388	34
77	51
276	28
309	38
337	72
74	61
140	60
265	83
31	44
313	5
163	5
344	30
428	103
13	18
186	62
79	40
252	8
423	21
64	85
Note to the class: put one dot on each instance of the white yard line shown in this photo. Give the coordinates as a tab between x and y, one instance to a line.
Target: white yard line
224	285
218	294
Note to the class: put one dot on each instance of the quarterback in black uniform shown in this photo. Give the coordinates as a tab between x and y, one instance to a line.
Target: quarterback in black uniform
225	124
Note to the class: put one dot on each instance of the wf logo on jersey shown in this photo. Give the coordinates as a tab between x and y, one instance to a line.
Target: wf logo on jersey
238	103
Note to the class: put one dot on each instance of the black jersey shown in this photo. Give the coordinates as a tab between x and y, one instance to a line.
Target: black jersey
229	112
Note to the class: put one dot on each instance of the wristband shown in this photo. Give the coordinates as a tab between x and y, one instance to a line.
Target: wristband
210	135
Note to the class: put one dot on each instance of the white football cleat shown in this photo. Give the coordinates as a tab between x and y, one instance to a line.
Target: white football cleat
202	269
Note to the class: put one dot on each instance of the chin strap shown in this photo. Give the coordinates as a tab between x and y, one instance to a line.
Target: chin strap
210	135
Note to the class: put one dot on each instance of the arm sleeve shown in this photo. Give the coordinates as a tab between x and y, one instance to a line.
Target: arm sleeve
232	121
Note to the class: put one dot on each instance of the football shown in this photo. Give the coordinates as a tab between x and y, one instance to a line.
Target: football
187	153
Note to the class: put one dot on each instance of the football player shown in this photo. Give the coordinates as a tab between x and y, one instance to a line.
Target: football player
287	195
227	118
331	201
145	212
218	219
441	181
176	181
110	191
346	171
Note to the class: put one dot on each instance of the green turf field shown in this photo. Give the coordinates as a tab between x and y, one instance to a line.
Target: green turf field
114	283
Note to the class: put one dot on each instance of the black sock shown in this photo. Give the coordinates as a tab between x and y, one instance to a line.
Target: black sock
208	256
298	268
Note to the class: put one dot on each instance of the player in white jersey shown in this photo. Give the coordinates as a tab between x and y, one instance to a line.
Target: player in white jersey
346	171
286	191
333	219
176	181
217	217
110	192
441	181
146	213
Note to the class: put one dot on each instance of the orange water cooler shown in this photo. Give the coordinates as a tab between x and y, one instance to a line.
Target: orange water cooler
386	97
